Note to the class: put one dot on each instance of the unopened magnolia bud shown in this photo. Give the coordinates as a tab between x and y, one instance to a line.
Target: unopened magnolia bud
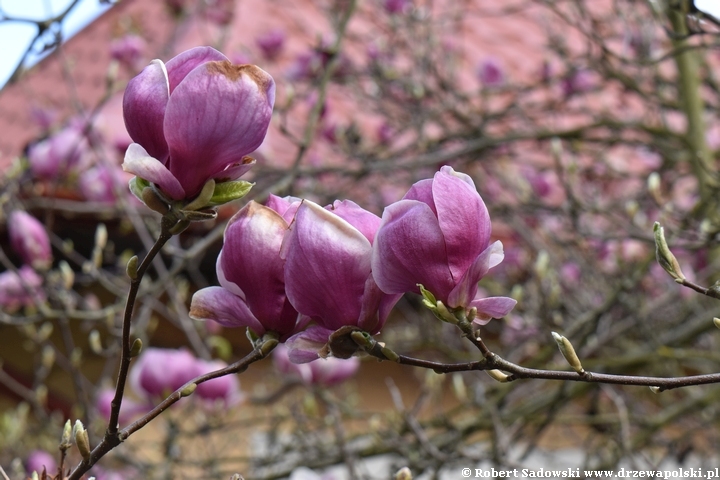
655	389
471	314
389	354
101	236
77	427
203	197
153	201
237	476
83	443
403	474
34	476
653	184
136	348
188	390
48	357
44	332
95	343
132	267
66	435
568	352
459	387
664	256
41	393
716	322
541	264
268	345
67	274
76	357
498	375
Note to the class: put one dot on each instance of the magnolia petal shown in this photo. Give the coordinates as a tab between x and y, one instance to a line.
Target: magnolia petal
467	288
180	66
422	191
218	304
366	222
307	345
138	162
251	260
376	306
285	206
216	115
327	262
409	249
144	102
492	307
236	170
463	218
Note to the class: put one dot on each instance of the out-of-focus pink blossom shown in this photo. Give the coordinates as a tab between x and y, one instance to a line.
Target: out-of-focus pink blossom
38	460
328	276
224	389
570	273
21	289
396	6
128	409
30	240
271	43
220	12
578	81
385	133
158	371
438	235
251	273
323	371
100	183
195	119
128	50
58	156
44	117
490	72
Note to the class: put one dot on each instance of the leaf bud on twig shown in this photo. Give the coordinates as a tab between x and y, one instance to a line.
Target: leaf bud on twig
498	375
188	390
568	352
132	267
403	474
136	348
664	256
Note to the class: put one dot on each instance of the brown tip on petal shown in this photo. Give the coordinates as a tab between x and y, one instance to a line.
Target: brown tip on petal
199	312
233	72
246	160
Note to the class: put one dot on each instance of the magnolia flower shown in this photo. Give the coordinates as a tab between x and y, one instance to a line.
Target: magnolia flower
38	460
438	235
195	119
251	273
328	278
159	371
58	155
127	50
271	43
225	389
21	289
128	408
323	371
98	183
29	240
490	72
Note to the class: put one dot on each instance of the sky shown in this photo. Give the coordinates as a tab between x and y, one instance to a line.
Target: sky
15	37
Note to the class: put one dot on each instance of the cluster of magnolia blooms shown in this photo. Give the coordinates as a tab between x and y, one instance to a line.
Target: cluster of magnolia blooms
28	238
292	267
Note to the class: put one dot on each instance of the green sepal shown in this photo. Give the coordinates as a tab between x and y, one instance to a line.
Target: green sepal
137	185
429	299
228	191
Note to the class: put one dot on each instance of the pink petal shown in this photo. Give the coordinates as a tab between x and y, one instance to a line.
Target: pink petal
409	249
138	162
180	66
218	304
366	222
463	218
305	346
144	103
327	262
218	114
251	260
492	307
466	289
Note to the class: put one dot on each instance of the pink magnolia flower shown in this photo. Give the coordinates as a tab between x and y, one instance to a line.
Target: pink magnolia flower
271	43
438	235
195	119
396	6
30	240
127	50
328	277
490	72
98	183
159	371
324	372
20	289
38	460
224	389
128	409
251	273
58	155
